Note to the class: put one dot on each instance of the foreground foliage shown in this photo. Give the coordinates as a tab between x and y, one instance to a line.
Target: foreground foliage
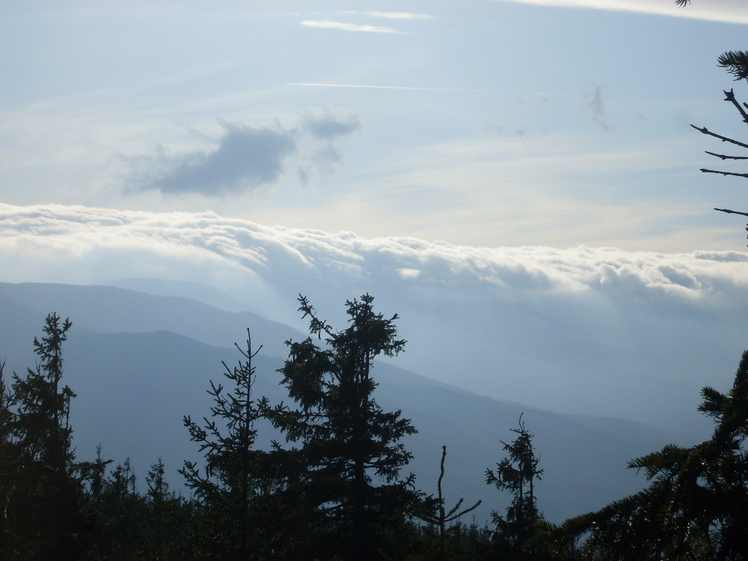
697	504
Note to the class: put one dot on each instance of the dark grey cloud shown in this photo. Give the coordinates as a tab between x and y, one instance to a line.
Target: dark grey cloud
246	157
324	127
327	126
596	105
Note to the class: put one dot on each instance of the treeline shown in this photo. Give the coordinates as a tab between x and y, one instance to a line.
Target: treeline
336	488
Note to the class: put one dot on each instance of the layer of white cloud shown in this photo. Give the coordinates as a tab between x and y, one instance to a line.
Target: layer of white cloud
579	329
729	11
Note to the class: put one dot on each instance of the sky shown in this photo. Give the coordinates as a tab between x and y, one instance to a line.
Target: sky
518	180
481	123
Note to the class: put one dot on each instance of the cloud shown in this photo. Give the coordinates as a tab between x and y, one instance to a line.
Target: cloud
728	11
586	330
345	26
244	158
324	127
392	15
327	125
596	106
413	88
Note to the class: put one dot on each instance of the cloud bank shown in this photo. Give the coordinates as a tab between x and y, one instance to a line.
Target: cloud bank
245	157
585	330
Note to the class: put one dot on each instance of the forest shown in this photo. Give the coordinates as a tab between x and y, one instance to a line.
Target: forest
336	486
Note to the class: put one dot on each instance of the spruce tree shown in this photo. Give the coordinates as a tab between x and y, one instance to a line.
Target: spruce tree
233	487
351	449
517	474
39	483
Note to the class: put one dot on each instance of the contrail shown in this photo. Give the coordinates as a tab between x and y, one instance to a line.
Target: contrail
414	88
394	88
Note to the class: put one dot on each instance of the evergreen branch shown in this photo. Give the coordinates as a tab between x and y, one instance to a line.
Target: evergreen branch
736	63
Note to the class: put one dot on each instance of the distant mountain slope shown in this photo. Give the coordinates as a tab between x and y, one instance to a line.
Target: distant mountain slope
557	375
134	388
106	309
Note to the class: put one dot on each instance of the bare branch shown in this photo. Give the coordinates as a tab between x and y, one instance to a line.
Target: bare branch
704	130
730	96
725	173
724	157
728	211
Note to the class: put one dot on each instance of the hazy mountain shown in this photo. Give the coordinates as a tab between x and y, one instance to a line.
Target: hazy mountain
107	309
137	372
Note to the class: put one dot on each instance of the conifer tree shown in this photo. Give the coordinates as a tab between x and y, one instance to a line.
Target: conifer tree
167	530
517	474
351	448
42	493
236	478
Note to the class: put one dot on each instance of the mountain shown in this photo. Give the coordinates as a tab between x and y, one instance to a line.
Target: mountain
105	309
140	362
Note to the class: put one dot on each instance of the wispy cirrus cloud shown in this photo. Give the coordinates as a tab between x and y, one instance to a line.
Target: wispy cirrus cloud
347	26
392	15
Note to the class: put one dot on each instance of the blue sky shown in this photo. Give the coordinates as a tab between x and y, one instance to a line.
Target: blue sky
483	123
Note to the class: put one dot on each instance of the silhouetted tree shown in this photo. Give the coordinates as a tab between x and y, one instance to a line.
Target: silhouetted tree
42	513
351	448
122	517
166	534
517	474
238	481
8	465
